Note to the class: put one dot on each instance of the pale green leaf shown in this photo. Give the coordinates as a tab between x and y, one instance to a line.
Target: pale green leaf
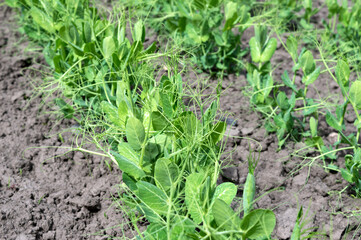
135	133
192	196
108	47
224	216
165	173
355	94
226	192
154	198
269	50
259	223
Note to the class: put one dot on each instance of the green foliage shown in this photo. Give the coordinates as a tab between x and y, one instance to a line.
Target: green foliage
212	30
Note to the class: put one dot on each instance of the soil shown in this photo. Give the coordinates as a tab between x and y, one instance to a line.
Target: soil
47	193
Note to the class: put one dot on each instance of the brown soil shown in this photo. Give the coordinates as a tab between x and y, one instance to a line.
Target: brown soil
46	193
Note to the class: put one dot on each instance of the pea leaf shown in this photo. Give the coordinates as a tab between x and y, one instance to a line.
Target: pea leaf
139	31
355	94
269	50
108	47
310	78
135	133
154	198
258	224
224	216
231	15
342	72
255	50
313	126
165	173
41	19
192	196
226	192
217	132
287	81
111	114
292	46
128	161
307	63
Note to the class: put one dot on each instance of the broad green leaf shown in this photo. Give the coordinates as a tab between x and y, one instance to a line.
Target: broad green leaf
128	161
181	227
111	114
342	72
135	133
218	131
226	192
165	173
231	15
347	175
139	32
282	101
255	50
313	126
155	231
355	94
154	198
258	224
224	216
159	122
269	50
41	19
292	46
310	78
129	181
108	47
307	63
192	196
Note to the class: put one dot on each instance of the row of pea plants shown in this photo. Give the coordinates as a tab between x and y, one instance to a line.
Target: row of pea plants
291	114
169	156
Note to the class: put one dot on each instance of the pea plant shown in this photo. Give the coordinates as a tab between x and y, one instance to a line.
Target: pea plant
169	156
279	107
212	28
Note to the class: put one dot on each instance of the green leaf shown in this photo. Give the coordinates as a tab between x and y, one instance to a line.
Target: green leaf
43	20
249	193
111	114
269	50
159	122
135	133
310	78
313	126
218	131
282	101
155	231
129	181
231	15
128	161
292	46
139	32
154	198
355	94
296	233
108	47
347	175
226	192
332	122
224	216
165	173
192	196
287	81
342	72
307	63
258	224
255	50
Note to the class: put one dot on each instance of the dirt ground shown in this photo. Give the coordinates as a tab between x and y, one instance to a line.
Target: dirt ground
45	194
